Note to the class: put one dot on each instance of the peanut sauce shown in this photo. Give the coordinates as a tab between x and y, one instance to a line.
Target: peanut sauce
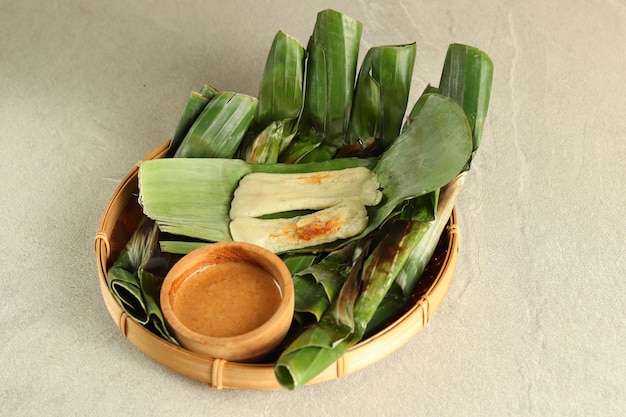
227	299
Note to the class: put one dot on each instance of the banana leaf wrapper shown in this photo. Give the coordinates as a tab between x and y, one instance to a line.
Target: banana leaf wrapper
389	279
318	284
407	278
191	197
196	102
332	61
280	99
345	322
466	78
219	129
136	276
381	95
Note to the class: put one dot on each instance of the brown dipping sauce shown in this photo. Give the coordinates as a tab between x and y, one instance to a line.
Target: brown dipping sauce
227	299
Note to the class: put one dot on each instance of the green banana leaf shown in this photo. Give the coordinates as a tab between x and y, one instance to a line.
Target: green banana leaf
320	283
382	93
298	148
219	129
428	154
466	78
195	104
192	197
296	262
422	208
134	284
407	278
333	52
281	92
365	119
345	322
320	153
133	279
281	96
390	275
267	145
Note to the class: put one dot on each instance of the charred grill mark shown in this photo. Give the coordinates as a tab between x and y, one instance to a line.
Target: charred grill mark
388	247
310	231
316	229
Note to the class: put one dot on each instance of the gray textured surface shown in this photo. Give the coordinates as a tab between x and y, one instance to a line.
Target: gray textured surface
534	323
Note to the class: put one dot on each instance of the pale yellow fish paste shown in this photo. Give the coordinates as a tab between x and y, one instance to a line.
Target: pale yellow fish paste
227	299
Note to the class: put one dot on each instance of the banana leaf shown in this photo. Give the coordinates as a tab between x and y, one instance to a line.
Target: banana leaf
333	52
298	261
320	153
192	197
325	341
319	284
365	120
428	154
391	272
267	145
404	249
345	322
194	106
417	107
466	78
382	93
422	208
281	92
298	148
219	129
135	278
281	96
407	278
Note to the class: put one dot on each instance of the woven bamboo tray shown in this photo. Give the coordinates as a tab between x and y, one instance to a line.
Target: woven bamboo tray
120	220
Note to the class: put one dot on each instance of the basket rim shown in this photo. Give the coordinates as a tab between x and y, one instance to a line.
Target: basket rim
219	373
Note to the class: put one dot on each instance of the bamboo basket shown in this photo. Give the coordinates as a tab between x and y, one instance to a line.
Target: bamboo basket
120	219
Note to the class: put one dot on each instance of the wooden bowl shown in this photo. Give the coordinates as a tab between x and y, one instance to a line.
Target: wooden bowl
249	286
120	219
